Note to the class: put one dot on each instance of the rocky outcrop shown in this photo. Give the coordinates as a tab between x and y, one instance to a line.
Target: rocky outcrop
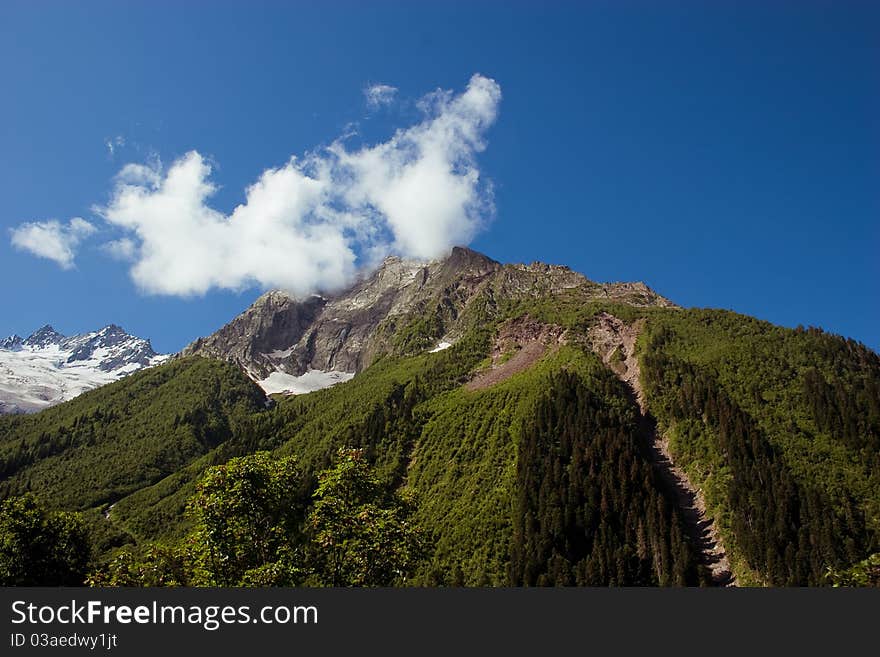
347	331
12	343
519	344
43	337
261	337
118	349
341	332
615	342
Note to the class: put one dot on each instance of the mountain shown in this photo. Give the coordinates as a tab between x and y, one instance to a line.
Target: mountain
289	344
47	368
547	430
12	343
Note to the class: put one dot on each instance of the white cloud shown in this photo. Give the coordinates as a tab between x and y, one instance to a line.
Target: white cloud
141	174
121	249
52	239
112	143
308	225
424	182
281	236
379	95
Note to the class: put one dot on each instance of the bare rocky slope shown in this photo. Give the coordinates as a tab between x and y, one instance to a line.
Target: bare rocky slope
345	332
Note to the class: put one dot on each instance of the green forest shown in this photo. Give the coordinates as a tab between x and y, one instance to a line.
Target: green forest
184	474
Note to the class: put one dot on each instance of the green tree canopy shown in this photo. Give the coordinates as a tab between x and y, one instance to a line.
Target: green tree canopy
864	573
360	534
39	547
248	514
159	565
254	527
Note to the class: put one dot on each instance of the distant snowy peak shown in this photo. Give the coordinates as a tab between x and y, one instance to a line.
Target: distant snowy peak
112	347
43	337
47	368
12	343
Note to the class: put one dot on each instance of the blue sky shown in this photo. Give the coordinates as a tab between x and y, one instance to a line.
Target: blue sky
728	154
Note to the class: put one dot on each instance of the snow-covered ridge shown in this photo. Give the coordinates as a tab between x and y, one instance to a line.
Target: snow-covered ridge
47	368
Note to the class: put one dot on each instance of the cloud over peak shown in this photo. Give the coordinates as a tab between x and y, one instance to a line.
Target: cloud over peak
181	246
311	223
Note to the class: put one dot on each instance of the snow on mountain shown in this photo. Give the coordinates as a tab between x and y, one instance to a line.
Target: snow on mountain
43	337
48	368
442	345
307	382
12	343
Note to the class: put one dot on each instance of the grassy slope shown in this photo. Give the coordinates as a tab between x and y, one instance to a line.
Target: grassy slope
464	470
373	411
764	367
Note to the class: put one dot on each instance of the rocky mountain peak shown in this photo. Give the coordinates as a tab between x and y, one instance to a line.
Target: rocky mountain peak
12	343
43	337
273	298
544	268
270	325
286	338
112	347
464	259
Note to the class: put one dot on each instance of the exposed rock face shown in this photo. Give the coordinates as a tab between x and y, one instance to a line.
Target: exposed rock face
12	343
347	331
43	337
520	343
118	349
261	337
341	332
518	333
615	342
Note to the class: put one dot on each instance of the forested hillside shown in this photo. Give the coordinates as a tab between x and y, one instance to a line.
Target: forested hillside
514	457
112	441
781	428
